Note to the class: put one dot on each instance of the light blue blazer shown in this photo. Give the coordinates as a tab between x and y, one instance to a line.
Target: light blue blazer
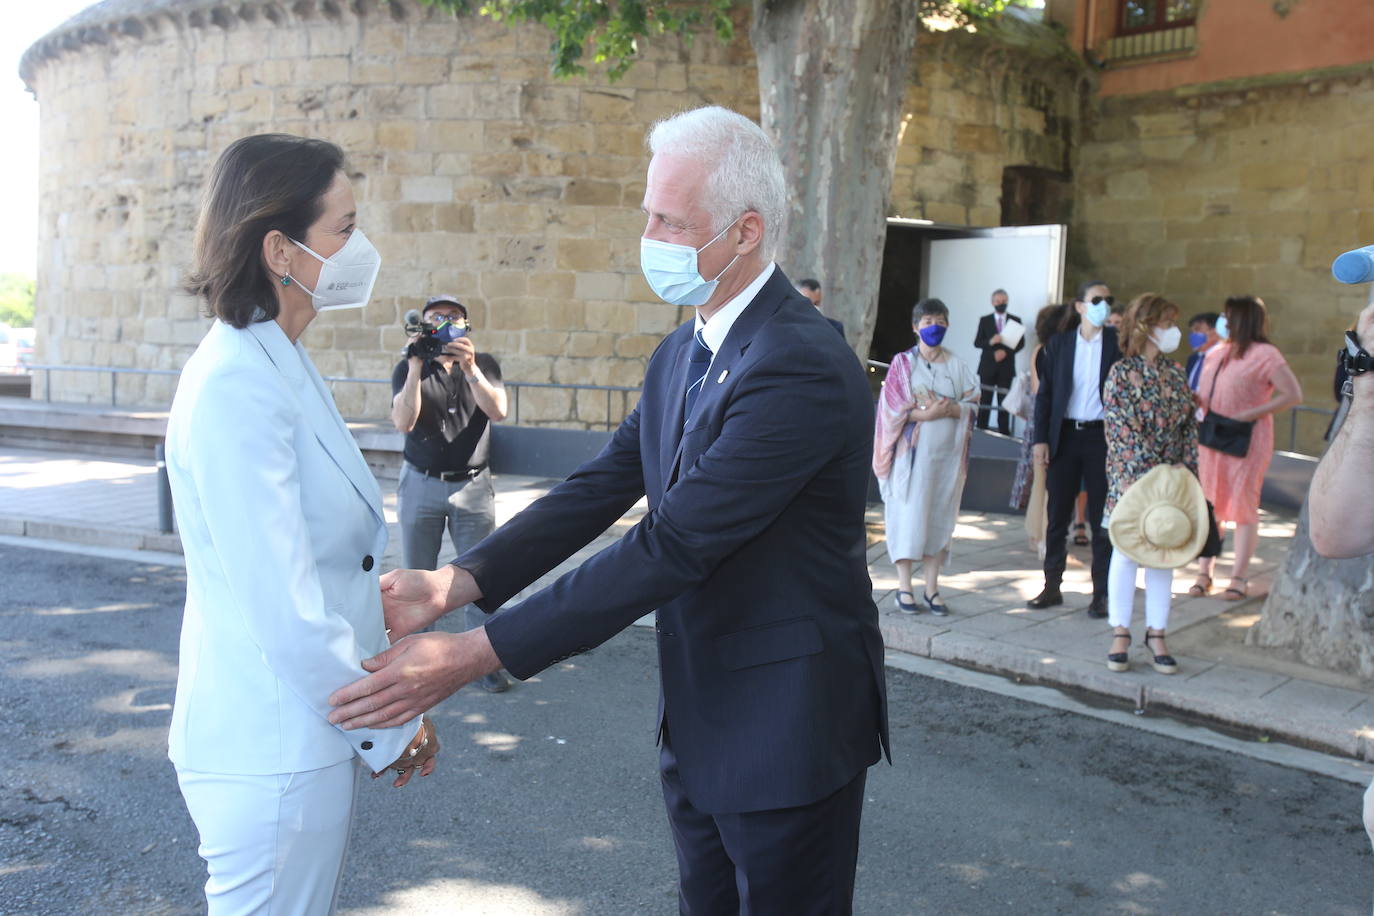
282	527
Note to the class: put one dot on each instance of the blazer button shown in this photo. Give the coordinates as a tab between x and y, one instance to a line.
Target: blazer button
367	563
367	745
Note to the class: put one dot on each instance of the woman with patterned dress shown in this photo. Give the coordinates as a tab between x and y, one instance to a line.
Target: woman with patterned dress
1244	378
1149	421
924	423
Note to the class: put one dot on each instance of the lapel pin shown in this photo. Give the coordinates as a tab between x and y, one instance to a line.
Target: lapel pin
723	374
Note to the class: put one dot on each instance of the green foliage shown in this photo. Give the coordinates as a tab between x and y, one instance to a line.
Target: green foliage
16	300
607	29
988	9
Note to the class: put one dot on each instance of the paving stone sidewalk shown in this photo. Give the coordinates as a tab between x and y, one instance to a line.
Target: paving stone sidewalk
113	503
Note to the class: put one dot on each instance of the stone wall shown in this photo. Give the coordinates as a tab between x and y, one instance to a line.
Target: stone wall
978	103
1199	195
477	174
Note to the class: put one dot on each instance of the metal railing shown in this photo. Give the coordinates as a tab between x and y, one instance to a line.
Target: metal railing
1293	412
611	421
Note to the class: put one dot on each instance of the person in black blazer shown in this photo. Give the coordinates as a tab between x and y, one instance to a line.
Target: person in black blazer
1069	439
811	289
997	365
772	699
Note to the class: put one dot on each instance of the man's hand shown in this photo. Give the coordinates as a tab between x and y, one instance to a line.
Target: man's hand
412	599
414	675
1040	451
999	355
1364	329
464	351
996	340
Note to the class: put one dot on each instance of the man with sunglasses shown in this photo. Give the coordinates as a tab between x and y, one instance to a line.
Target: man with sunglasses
446	416
1069	439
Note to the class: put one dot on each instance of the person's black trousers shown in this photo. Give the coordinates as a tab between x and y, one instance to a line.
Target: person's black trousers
789	862
1001	378
1080	460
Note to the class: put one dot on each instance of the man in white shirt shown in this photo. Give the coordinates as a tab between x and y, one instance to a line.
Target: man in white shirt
1069	439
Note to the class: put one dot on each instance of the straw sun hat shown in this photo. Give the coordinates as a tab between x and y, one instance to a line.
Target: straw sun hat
1161	521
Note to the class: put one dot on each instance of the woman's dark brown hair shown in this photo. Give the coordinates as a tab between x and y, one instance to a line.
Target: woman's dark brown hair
259	183
1247	321
1050	321
1145	313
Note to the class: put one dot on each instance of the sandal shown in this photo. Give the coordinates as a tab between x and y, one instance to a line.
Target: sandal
1119	661
938	610
1080	536
1164	664
1202	587
1237	594
909	606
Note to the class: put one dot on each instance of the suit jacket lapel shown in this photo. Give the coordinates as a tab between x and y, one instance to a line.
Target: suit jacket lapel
736	343
317	404
670	436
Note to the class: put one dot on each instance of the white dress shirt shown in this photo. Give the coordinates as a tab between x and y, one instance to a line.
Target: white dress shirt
714	332
1085	401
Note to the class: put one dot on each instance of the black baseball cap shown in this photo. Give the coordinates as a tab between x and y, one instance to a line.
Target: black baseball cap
445	300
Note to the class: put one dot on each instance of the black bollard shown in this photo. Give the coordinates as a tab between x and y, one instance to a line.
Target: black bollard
164	490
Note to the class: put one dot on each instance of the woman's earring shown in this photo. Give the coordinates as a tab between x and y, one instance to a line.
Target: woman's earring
285	281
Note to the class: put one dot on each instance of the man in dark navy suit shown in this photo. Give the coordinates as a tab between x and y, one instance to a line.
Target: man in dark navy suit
997	365
1070	439
752	440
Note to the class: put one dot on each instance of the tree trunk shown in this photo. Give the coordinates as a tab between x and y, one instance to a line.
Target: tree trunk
832	77
1322	609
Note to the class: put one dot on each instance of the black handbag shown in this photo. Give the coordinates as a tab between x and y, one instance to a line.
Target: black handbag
1221	433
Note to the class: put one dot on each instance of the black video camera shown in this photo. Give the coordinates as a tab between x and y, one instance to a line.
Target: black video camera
434	336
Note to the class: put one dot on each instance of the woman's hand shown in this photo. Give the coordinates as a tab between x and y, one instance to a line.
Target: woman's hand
419	755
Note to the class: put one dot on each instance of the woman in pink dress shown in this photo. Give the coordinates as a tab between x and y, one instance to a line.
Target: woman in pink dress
1245	378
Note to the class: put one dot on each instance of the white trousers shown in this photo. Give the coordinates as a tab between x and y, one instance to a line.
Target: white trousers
1159	584
273	844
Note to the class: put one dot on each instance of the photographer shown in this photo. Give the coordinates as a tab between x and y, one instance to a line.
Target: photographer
445	396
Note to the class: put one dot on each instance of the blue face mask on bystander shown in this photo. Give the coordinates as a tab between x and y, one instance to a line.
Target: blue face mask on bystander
1196	339
932	334
1223	328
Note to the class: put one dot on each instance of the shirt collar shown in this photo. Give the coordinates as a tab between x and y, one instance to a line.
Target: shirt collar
713	332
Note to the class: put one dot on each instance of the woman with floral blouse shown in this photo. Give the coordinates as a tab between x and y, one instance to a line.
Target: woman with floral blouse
1150	421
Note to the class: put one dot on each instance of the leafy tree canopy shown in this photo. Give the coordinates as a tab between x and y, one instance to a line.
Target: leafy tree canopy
16	300
608	31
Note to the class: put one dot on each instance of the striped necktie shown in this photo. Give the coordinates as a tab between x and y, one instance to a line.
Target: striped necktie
697	363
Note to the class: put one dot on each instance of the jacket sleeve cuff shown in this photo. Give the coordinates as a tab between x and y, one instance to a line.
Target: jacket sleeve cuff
379	747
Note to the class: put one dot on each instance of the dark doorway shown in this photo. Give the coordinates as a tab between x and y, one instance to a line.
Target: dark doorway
1032	196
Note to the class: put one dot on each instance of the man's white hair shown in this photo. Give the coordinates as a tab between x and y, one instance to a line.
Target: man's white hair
743	169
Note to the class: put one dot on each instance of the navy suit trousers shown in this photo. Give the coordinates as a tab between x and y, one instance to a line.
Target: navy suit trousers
786	862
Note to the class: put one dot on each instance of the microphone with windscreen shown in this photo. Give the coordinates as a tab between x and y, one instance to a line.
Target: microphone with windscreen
1355	266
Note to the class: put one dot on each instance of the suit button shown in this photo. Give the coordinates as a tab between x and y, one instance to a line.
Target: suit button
367	745
367	563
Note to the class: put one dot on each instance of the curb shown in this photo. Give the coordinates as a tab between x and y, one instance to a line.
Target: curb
94	536
1048	669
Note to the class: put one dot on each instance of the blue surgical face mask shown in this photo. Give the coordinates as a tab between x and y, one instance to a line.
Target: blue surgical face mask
1096	314
932	334
1223	328
672	271
1196	339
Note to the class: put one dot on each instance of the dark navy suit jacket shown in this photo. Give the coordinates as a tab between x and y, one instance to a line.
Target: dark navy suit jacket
1056	382
753	552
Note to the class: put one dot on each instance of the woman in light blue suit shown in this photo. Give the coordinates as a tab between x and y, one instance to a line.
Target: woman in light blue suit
281	522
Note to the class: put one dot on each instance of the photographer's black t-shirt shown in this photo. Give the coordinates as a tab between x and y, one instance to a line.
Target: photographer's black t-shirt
452	433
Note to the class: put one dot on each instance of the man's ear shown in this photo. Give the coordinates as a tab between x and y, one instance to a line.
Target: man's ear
751	230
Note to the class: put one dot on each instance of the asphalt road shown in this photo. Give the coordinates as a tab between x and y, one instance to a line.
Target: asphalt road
547	800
